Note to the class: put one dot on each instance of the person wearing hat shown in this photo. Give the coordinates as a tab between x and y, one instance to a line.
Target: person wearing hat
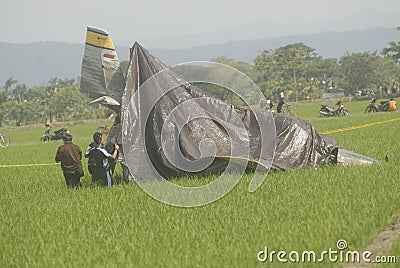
70	156
98	155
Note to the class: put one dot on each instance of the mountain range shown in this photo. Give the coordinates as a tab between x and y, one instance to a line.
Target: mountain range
34	64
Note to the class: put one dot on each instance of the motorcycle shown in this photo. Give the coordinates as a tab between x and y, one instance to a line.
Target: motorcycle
330	111
374	107
58	135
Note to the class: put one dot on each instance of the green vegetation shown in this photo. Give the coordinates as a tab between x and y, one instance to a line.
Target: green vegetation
295	69
61	100
299	72
43	224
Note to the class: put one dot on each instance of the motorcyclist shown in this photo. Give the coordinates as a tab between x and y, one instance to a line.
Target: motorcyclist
48	128
392	105
58	134
340	108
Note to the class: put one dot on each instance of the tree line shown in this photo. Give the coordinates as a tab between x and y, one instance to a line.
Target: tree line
295	69
59	100
301	74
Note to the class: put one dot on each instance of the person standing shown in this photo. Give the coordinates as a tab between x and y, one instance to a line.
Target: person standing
268	105
47	128
386	88
70	156
394	88
98	155
280	106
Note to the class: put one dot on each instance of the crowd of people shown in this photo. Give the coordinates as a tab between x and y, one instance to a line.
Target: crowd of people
268	105
70	156
390	90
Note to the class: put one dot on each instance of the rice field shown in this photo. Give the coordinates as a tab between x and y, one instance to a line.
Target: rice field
44	224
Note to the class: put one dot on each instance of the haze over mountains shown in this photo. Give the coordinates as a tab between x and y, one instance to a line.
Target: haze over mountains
34	64
358	19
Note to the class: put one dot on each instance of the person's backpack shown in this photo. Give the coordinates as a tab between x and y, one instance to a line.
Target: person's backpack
91	160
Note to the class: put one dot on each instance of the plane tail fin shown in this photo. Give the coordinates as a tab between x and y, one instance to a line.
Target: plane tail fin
101	74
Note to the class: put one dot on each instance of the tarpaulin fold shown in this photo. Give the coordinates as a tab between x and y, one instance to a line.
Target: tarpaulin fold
169	127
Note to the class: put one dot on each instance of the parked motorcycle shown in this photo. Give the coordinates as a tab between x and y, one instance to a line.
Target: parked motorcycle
58	135
374	107
330	111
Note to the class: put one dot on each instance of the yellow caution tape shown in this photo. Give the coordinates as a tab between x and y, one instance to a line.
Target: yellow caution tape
323	132
28	165
360	126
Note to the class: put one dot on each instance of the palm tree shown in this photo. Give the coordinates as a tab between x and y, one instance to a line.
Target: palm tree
8	84
19	89
393	51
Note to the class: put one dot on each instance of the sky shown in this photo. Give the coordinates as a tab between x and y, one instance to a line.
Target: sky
187	22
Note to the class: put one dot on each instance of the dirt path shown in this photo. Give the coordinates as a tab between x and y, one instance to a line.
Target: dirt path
380	246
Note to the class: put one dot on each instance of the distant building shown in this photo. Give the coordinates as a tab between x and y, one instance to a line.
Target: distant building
333	93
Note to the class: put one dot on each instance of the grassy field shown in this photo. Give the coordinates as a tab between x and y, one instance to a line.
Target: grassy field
43	224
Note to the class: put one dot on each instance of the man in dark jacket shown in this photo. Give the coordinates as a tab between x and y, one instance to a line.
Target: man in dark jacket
70	156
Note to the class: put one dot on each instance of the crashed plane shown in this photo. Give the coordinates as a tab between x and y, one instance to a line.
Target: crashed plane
169	127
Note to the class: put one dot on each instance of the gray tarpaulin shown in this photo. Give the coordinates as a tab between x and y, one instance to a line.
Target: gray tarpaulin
170	127
297	143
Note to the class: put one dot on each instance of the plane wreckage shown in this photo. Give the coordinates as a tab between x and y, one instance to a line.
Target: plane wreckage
168	126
